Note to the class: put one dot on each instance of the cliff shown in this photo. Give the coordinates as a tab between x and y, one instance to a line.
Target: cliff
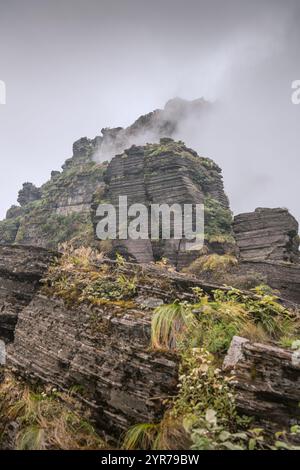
137	331
87	332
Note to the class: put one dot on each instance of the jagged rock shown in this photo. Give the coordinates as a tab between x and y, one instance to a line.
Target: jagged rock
29	193
20	272
149	127
60	210
14	212
267	234
266	381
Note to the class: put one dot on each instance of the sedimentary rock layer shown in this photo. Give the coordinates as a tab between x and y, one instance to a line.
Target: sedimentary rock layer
267	234
266	381
102	353
20	272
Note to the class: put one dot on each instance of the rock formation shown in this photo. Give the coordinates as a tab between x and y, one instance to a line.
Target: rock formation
268	245
166	173
102	350
265	379
99	342
267	235
21	270
60	209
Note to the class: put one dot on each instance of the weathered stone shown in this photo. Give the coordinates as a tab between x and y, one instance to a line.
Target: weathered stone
28	194
164	173
105	351
267	234
266	381
21	270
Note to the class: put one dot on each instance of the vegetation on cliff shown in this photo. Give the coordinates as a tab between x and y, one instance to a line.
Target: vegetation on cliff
203	415
34	417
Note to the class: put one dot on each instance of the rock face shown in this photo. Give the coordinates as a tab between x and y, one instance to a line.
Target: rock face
105	354
165	173
267	234
59	211
101	352
268	245
20	272
29	193
281	276
266	379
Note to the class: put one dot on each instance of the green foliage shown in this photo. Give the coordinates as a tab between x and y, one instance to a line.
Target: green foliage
202	386
76	278
170	323
205	404
141	436
217	219
212	322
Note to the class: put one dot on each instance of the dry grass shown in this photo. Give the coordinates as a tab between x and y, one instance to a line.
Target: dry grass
43	419
217	264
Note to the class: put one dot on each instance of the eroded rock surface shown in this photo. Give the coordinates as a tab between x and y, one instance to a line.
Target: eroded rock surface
104	353
267	234
266	381
21	270
165	173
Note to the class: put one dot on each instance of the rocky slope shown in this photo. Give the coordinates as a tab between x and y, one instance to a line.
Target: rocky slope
95	341
89	326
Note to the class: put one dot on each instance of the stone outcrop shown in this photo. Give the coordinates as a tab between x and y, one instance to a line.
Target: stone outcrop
266	381
103	352
281	276
165	173
21	270
60	210
267	234
268	246
29	193
149	127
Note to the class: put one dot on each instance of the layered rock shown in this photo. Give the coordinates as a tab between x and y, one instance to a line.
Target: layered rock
103	352
267	234
21	270
60	210
165	173
268	247
265	381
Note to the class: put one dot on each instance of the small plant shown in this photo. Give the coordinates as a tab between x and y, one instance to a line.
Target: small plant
218	264
80	276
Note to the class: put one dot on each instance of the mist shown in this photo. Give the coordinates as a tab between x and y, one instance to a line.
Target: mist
74	67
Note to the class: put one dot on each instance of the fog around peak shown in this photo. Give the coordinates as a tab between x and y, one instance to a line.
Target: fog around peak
74	67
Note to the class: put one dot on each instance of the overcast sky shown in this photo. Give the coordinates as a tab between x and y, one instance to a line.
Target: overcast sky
72	67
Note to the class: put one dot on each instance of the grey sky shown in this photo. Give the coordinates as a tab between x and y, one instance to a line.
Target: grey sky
72	67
